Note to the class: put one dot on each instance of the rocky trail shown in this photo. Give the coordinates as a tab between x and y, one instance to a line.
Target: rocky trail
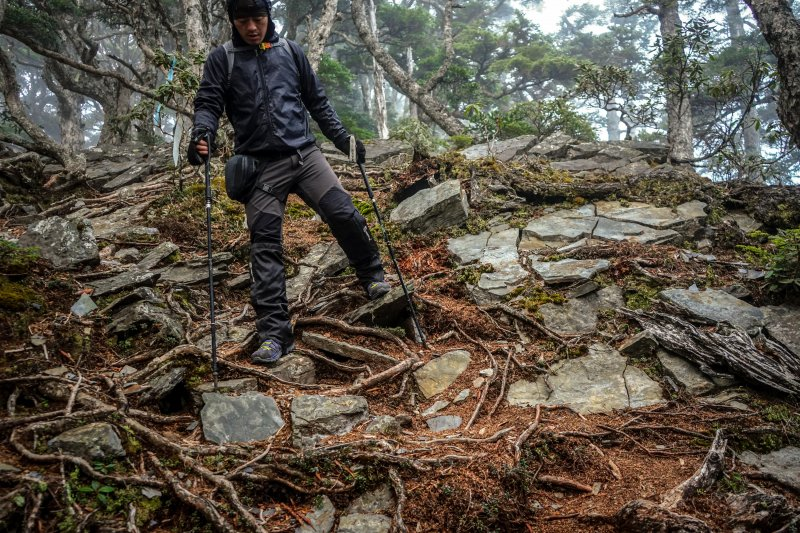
602	352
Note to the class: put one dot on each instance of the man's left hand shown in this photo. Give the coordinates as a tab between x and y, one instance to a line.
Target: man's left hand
361	153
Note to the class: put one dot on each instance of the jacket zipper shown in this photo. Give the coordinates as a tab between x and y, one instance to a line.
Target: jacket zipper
267	95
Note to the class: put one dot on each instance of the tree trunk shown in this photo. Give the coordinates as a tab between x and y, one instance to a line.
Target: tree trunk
40	142
377	74
782	32
679	111
432	107
612	122
69	112
318	34
412	107
751	139
196	28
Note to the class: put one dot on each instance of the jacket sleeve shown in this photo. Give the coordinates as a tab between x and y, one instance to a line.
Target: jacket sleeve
316	101
209	102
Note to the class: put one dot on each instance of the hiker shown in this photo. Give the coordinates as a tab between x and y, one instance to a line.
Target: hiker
268	89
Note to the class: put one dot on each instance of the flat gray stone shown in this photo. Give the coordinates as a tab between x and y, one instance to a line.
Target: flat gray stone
196	270
160	386
505	150
230	334
468	248
620	231
599	382
461	396
502	255
783	464
316	417
442	206
383	425
783	325
386	310
296	285
97	441
380	500
249	417
579	316
745	222
443	423
156	255
692	210
437	406
67	244
121	222
296	368
144	314
364	523
569	270
437	375
125	281
642	344
229	386
557	228
685	373
322	518
715	305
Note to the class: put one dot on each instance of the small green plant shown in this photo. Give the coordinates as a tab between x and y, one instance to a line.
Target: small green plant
97	491
783	271
419	136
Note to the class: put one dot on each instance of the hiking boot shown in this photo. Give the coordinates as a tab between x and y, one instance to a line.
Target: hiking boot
270	351
376	289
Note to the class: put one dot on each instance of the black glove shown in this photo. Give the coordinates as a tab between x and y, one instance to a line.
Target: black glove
199	134
361	152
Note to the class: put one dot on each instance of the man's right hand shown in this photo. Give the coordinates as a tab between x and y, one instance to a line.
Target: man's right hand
199	150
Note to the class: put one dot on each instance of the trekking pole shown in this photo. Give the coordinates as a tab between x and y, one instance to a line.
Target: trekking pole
420	334
214	370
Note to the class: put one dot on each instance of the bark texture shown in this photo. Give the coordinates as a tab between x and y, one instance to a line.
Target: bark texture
782	32
318	33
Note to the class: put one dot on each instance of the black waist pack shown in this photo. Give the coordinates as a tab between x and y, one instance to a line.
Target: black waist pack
241	174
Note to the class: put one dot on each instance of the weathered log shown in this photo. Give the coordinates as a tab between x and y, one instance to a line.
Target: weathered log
644	515
734	353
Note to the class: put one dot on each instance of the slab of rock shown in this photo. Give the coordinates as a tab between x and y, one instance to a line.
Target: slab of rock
132	175
642	344
380	500
321	519
121	222
125	281
383	425
783	325
435	408
160	386
569	270
196	271
364	523
505	150
67	244
438	424
316	417
685	373
579	316
558	228
783	464
345	349
249	417
295	368
617	230
502	255
229	386
440	207
97	441
156	255
388	310
141	315
231	334
599	382
437	375
468	248
715	305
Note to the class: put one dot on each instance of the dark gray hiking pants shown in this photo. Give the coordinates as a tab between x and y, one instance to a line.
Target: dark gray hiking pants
308	174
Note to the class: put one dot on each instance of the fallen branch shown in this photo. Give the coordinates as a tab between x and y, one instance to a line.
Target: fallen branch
703	478
355	330
564	483
400	494
526	434
378	378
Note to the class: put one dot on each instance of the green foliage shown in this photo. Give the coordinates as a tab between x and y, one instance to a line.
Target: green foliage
485	123
545	117
783	272
419	135
334	75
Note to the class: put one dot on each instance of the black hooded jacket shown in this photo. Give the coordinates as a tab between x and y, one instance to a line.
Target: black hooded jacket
266	99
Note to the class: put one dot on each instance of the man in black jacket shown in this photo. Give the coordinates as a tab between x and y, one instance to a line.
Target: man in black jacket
268	93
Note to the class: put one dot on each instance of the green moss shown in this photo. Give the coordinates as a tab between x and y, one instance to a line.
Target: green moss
15	296
296	210
16	260
639	293
532	297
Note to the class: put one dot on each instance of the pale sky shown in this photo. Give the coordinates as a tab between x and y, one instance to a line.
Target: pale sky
548	14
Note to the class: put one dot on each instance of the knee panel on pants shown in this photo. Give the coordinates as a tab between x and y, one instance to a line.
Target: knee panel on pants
267	229
336	206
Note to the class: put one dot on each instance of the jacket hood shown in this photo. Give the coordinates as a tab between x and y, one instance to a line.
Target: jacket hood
235	37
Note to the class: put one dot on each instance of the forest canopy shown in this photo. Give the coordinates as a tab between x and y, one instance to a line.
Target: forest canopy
716	79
